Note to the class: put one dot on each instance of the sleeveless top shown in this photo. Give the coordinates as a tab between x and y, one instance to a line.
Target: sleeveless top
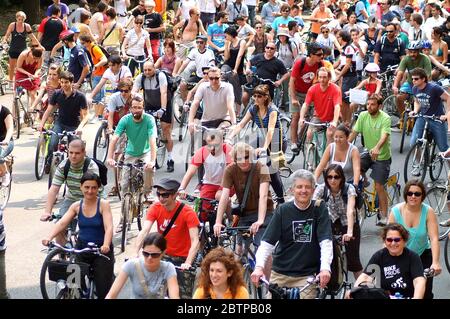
418	236
259	45
439	51
347	166
371	87
168	64
113	39
277	138
31	68
91	228
234	51
18	39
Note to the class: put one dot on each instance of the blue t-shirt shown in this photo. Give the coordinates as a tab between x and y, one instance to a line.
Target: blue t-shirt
217	34
281	22
360	6
300	21
388	17
430	99
64	10
77	62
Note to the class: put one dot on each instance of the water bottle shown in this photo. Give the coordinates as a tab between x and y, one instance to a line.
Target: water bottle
397	295
197	200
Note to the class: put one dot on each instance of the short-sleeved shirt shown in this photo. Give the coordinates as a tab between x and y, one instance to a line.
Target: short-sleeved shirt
324	101
297	235
281	23
397	272
387	17
4	112
77	62
267	10
217	34
372	128
201	59
93	25
337	207
421	61
234	10
178	238
123	73
156	281
136	12
241	293
73	178
359	7
214	166
138	133
268	69
430	99
245	31
304	78
153	20
96	56
50	29
64	10
150	83
118	105
234	176
215	102
349	53
69	107
136	43
390	52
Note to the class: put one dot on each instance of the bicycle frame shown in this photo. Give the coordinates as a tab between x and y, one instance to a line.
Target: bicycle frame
370	196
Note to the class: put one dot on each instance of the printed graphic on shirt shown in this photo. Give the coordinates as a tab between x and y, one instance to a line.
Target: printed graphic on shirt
302	230
391	271
164	225
308	77
424	100
399	284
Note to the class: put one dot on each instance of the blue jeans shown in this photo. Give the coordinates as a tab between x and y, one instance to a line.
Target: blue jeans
6	151
101	94
58	128
251	14
439	131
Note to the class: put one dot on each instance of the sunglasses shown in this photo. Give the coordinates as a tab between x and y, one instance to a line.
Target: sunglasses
153	255
336	177
124	91
200	42
325	32
270	48
287	10
393	239
148	69
415	79
417	194
163	195
258	27
139	22
214	78
390	31
319	54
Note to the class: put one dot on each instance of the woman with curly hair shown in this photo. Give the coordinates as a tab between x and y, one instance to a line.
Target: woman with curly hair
221	277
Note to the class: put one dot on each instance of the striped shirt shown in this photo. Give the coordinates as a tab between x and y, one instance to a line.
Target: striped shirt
2	232
73	178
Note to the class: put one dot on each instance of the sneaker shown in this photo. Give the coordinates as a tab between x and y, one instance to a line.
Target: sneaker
445	223
6	179
295	149
382	222
170	165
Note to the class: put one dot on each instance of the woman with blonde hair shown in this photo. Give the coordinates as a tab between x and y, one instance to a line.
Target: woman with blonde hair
221	277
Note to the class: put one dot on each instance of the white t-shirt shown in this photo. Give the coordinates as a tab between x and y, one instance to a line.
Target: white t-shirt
359	60
207	6
201	59
185	6
98	16
136	44
123	73
121	9
328	42
116	101
250	2
245	31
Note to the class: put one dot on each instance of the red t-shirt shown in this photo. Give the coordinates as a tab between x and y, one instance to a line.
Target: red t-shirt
178	239
324	101
304	78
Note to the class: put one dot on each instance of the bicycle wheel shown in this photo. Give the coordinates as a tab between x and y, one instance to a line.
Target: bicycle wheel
447	253
390	107
416	163
437	199
189	153
252	291
101	143
140	208
310	158
39	161
160	152
404	129
53	166
125	212
177	106
16	119
436	163
51	289
5	193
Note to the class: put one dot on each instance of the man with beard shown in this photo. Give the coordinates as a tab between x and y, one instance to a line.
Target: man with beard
140	129
375	127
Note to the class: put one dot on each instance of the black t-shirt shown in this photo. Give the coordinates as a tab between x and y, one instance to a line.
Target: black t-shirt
298	233
153	20
69	107
50	36
4	112
268	69
397	272
390	52
138	12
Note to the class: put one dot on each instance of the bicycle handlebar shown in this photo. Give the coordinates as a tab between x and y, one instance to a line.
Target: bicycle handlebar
430	117
137	166
261	79
93	249
327	124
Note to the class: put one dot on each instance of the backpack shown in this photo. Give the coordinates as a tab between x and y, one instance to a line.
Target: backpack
105	52
303	61
383	41
103	170
171	83
359	201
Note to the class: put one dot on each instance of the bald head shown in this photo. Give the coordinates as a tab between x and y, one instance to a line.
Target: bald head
78	143
149	69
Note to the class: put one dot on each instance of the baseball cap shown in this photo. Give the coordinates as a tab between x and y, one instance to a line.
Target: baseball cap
168	184
408	9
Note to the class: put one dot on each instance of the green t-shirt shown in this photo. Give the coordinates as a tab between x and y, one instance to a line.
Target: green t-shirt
138	133
409	64
404	37
372	128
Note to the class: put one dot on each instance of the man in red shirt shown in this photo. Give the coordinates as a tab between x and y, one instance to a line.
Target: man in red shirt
327	101
303	74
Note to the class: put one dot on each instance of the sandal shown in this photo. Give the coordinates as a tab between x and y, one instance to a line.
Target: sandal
113	191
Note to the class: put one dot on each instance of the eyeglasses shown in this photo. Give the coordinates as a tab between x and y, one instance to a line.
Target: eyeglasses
258	27
200	42
164	195
336	177
270	48
124	91
153	255
286	10
390	31
417	194
325	32
319	54
139	22
214	78
245	158
393	239
415	79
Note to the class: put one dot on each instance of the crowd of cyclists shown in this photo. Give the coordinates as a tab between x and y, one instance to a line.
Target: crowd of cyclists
234	65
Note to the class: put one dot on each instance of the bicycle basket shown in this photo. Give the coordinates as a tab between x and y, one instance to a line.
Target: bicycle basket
58	269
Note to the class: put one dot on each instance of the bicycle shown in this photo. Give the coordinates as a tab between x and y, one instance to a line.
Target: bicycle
387	78
18	106
160	142
101	142
61	268
132	203
61	152
314	151
42	154
4	61
278	292
371	203
407	123
5	190
423	155
140	64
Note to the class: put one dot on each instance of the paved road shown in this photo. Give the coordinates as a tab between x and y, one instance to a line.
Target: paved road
24	230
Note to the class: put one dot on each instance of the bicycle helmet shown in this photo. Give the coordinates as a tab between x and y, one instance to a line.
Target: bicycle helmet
426	44
65	34
406	88
372	67
415	45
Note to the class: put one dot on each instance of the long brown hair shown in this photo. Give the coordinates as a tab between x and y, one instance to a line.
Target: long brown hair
219	254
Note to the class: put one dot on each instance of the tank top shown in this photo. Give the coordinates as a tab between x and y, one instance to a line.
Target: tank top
18	39
347	165
113	39
418	236
30	68
168	64
371	87
277	138
260	44
91	228
234	51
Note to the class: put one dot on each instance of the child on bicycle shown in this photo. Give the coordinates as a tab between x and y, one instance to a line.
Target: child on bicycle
372	84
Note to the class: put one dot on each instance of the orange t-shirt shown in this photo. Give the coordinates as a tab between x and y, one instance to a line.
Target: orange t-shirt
315	26
97	55
160	6
178	239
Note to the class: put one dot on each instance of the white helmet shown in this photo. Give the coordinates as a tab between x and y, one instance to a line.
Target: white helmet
372	67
